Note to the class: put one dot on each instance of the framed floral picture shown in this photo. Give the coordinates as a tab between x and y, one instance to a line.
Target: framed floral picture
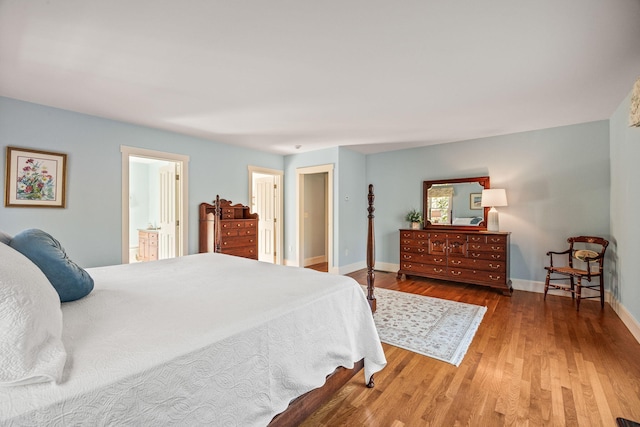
35	178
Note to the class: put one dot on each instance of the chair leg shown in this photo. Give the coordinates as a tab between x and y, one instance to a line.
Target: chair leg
573	287
546	285
601	291
578	292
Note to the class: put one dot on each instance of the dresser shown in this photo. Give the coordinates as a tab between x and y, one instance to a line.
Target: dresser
238	229
476	257
147	245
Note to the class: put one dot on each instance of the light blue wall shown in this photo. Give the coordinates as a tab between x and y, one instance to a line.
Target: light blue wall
625	209
90	227
352	210
557	183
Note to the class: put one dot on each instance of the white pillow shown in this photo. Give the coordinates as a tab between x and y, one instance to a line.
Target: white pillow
31	349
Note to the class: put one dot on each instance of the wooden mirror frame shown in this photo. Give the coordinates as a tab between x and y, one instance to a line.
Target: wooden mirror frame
426	185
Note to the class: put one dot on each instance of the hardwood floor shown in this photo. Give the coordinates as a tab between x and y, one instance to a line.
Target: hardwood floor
323	266
531	363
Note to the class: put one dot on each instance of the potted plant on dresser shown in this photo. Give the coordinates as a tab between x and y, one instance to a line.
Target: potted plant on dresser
414	216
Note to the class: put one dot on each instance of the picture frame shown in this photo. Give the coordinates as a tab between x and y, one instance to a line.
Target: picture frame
475	201
35	178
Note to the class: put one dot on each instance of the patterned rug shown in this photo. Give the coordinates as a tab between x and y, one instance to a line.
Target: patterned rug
433	327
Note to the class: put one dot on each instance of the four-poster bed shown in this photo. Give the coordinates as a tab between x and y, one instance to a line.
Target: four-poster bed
202	340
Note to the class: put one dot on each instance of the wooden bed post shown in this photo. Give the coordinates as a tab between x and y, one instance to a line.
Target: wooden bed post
218	216
371	254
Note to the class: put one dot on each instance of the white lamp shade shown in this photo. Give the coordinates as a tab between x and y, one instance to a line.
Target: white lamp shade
494	197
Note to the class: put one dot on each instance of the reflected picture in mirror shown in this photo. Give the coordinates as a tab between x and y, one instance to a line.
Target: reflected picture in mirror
455	203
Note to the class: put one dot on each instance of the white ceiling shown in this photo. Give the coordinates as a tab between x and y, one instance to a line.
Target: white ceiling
370	74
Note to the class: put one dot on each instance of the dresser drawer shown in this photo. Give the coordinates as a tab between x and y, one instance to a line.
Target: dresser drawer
493	239
431	270
488	277
238	242
413	242
231	213
476	238
413	249
495	256
245	252
414	235
477	264
240	223
424	258
487	247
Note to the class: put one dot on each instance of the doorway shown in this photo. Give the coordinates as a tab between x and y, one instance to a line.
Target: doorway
154	204
265	193
315	216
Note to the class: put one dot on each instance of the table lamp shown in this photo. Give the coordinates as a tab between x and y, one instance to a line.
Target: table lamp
492	198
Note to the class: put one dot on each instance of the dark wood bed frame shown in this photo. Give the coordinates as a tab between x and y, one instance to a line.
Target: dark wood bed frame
300	408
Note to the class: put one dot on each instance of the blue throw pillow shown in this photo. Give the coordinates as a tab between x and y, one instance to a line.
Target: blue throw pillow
69	280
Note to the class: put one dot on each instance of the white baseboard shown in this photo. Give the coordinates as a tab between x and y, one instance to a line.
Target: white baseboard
387	266
629	321
346	269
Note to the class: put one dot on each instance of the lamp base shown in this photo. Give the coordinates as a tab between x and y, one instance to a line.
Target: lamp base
493	220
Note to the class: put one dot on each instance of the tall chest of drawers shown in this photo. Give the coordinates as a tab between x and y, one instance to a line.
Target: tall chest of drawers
238	229
476	257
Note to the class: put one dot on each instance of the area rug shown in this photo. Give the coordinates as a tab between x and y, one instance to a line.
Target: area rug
433	327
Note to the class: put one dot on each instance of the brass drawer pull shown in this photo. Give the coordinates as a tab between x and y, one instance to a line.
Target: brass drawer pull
456	273
456	262
494	278
437	270
495	266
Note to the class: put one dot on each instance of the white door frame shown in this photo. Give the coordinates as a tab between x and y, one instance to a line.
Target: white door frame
279	204
183	213
300	173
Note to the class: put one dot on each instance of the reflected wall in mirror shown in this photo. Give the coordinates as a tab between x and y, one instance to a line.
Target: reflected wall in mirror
455	203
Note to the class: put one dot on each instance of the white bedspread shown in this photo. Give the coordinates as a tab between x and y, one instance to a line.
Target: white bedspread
205	339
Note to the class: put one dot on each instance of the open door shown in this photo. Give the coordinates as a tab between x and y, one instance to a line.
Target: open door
265	198
169	186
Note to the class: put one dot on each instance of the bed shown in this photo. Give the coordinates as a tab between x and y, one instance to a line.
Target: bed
467	220
206	339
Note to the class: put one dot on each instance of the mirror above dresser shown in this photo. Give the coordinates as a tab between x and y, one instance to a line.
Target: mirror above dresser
455	204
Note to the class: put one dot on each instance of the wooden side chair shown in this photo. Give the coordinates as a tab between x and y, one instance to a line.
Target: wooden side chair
584	260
